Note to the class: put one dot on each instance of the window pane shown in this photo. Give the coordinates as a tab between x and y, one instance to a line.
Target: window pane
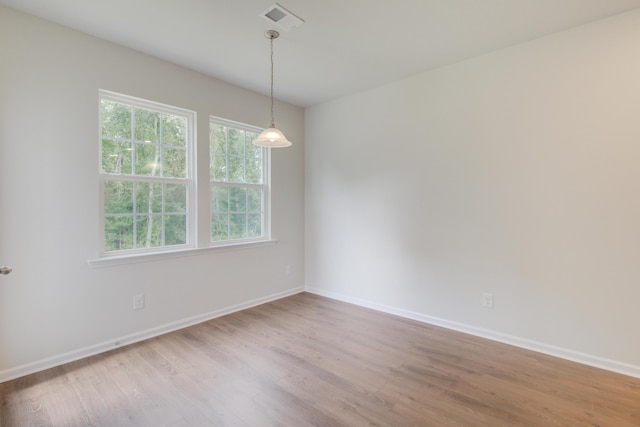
237	226
116	120
219	226
116	157
219	167
254	225
218	138
253	170
149	231
220	199
174	130
236	169
118	232
174	162
236	142
147	125
175	231
237	199
148	198
250	149
118	197
147	156
175	198
254	199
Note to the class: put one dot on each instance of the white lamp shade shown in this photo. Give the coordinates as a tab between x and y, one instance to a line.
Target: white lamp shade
272	138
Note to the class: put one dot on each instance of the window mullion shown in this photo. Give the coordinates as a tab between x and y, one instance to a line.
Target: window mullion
228	214
226	153
134	220
134	146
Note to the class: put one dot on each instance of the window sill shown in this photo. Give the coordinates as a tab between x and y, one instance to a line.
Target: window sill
137	258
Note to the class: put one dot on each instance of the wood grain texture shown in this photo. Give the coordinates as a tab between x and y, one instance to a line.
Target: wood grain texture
306	360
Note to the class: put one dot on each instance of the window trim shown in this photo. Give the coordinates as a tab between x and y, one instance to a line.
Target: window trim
190	180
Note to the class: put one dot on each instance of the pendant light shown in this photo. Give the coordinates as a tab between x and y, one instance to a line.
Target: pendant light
272	137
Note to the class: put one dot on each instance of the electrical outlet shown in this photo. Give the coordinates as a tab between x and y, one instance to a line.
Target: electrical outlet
287	269
487	300
138	302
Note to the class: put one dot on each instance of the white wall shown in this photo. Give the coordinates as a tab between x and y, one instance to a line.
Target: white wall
54	307
516	173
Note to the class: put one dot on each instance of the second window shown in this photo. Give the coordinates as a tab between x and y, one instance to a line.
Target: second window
239	187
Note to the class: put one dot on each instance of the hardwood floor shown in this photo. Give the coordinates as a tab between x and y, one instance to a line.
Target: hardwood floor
307	360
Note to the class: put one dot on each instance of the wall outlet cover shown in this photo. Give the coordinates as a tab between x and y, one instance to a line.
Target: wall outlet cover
138	302
487	300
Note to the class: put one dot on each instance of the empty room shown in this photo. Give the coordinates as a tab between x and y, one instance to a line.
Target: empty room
330	213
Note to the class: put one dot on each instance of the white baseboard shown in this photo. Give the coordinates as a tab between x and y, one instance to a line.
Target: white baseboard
71	356
563	353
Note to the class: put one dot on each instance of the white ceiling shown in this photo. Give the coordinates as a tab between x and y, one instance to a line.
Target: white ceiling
344	46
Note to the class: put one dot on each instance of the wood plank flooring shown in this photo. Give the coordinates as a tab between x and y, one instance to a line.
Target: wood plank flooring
311	361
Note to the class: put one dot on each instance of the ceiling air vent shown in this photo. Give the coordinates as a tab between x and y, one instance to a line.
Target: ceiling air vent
281	17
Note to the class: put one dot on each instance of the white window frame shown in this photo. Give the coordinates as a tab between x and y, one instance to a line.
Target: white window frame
266	186
189	180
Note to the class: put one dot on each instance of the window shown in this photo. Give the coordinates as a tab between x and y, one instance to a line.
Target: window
146	175
148	182
239	183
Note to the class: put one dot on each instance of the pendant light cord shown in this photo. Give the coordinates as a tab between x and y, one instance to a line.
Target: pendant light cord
273	123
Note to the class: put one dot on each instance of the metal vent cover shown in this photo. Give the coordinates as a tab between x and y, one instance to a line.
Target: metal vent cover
281	17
